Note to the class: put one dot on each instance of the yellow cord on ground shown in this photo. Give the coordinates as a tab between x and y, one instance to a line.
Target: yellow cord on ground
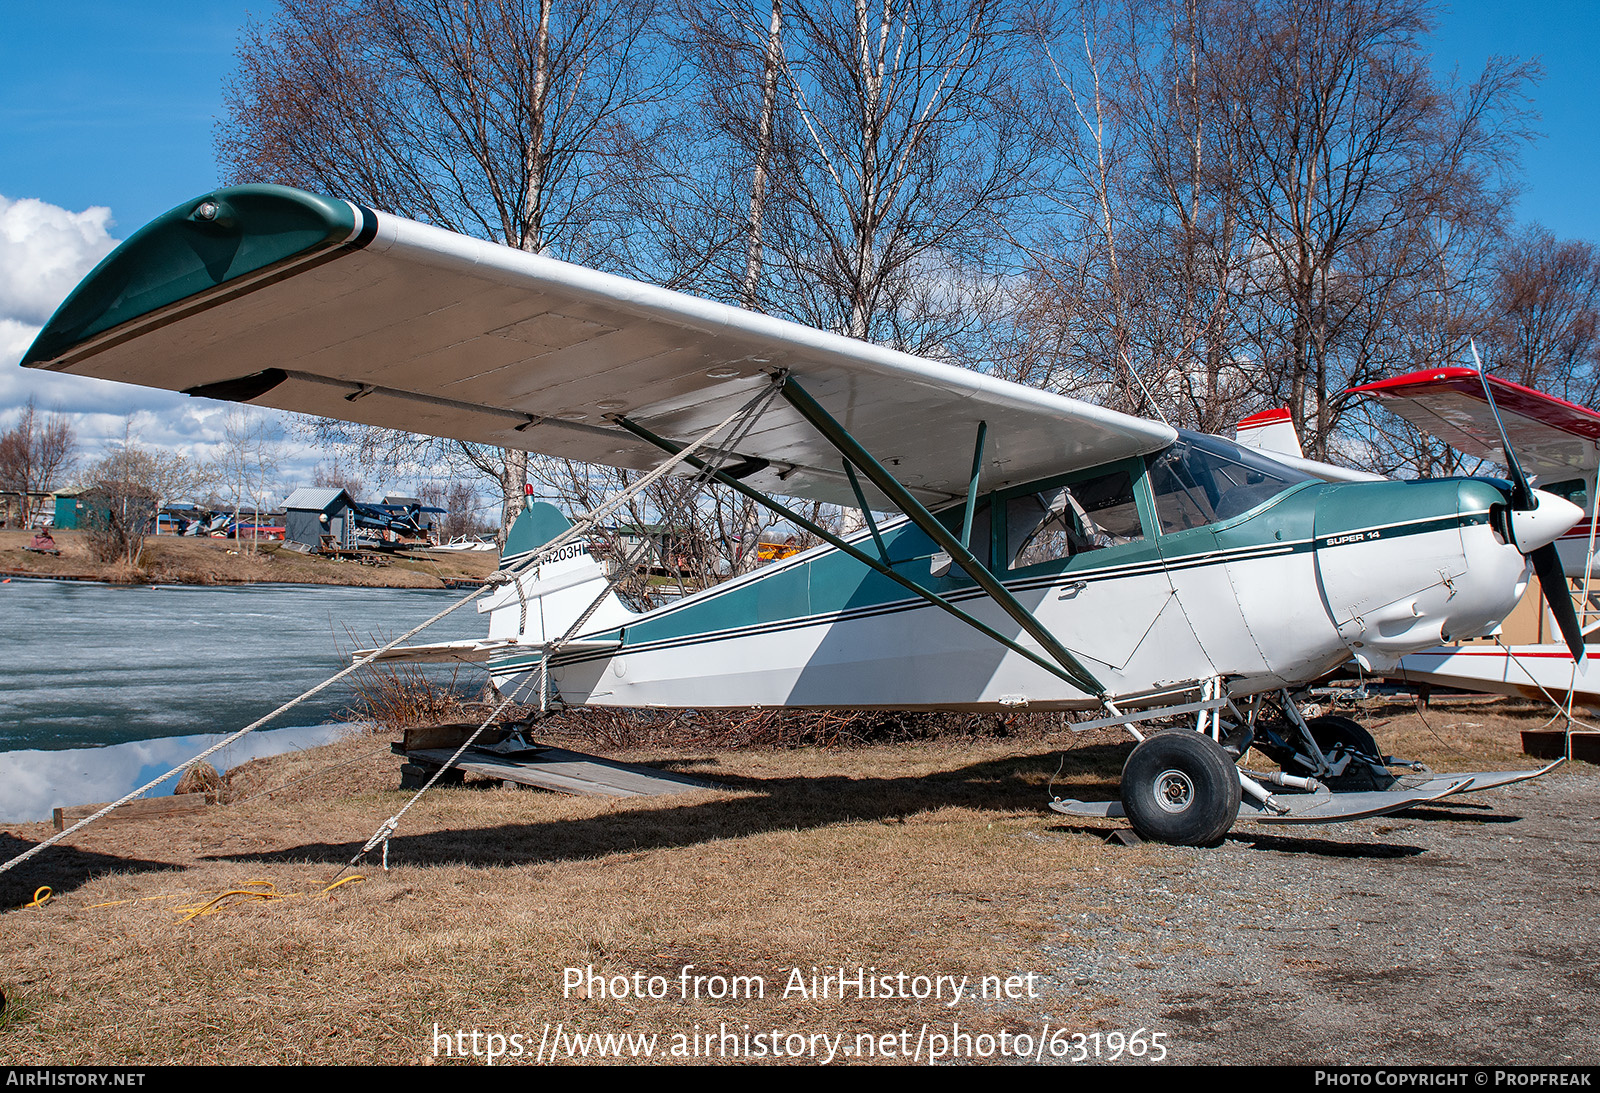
166	895
141	899
261	889
212	906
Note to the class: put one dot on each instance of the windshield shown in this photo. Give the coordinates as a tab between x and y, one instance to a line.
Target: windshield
1203	479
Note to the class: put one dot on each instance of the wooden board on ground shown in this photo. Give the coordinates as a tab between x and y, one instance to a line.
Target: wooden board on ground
568	772
449	735
145	808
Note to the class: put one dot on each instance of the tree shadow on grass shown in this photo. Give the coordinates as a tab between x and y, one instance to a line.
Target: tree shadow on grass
62	868
1015	784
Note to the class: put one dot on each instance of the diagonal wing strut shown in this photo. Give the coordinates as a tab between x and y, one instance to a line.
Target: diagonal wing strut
1065	665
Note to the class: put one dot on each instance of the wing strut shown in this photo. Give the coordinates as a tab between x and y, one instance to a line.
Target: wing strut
840	438
865	559
972	486
866	513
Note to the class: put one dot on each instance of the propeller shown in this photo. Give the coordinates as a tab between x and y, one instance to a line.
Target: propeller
1546	562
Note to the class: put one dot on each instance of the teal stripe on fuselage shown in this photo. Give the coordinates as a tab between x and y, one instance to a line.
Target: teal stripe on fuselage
1364	506
829	587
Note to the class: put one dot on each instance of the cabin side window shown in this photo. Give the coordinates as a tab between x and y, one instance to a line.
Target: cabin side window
1064	521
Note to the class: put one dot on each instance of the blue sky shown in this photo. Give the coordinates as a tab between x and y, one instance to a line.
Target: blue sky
1559	169
112	105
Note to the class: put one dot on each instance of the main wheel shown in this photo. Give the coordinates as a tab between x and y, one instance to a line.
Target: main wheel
1341	736
1180	787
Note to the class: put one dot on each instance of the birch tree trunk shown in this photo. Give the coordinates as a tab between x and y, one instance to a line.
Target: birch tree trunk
748	289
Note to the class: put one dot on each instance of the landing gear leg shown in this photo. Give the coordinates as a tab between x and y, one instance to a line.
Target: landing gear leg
1335	750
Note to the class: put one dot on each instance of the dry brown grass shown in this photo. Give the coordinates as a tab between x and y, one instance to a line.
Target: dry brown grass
919	858
170	559
932	857
1466	733
398	696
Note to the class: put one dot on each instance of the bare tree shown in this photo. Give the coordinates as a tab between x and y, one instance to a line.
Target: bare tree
1189	250
1262	203
1135	284
1087	287
35	455
246	468
1546	315
493	118
913	141
119	505
461	509
860	158
1349	152
737	50
339	474
127	489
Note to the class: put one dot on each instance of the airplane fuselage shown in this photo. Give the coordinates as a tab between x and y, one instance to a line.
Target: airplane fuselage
1161	571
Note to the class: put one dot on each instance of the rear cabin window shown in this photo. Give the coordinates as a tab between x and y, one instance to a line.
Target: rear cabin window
1202	479
1065	521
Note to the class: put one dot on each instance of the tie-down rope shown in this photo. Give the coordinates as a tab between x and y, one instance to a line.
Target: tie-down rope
583	523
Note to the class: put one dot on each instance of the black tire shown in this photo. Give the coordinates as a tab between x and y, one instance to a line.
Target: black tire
1180	787
1340	735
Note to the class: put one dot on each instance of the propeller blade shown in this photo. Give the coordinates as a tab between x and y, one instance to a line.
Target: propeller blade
1553	580
1522	492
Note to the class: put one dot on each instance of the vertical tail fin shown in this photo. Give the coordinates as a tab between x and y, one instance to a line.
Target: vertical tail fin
1270	431
542	604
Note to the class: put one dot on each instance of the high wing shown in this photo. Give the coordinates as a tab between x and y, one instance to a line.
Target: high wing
280	298
1554	439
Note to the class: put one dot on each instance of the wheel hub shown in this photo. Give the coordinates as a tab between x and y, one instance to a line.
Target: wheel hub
1174	791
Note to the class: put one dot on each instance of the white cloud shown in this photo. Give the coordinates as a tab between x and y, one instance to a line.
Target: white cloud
44	251
15	337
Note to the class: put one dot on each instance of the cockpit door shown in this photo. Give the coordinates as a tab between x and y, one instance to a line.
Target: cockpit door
1078	553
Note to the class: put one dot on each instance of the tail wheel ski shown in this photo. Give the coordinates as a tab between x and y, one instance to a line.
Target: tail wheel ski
1338	736
1180	787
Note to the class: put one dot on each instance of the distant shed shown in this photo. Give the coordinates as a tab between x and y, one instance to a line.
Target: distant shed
313	512
66	515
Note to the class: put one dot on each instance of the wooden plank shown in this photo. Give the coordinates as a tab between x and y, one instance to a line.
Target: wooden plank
143	808
569	772
451	735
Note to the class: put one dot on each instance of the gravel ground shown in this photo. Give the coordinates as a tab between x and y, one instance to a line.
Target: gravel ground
1459	932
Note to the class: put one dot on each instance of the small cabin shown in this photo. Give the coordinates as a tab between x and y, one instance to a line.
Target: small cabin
66	508
99	509
321	518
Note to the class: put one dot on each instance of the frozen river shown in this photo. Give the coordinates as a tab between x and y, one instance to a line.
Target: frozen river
84	667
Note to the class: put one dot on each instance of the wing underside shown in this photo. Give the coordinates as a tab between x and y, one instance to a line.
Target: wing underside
1554	439
383	321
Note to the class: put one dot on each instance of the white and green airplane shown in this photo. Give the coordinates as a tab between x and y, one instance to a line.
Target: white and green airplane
1047	554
